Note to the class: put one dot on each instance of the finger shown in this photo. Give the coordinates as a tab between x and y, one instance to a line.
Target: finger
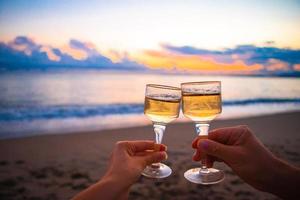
195	141
214	158
155	157
197	155
142	145
160	147
221	151
223	135
209	161
144	153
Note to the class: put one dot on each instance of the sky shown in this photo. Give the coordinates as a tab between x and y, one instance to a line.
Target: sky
243	37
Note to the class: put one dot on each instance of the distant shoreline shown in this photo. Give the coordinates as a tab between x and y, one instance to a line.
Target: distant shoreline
145	122
141	71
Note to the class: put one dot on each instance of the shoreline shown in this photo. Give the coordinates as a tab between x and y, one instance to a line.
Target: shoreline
103	123
59	166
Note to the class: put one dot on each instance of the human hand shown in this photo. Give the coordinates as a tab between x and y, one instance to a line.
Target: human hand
247	156
127	161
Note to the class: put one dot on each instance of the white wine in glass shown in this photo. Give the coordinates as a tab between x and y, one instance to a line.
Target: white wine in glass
162	104
202	102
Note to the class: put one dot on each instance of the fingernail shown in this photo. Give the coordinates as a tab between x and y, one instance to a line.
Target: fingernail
203	144
163	148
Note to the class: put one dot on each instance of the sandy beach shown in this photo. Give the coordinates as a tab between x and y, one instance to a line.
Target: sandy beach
59	166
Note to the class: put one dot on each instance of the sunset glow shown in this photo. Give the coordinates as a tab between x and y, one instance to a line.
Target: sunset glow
136	33
191	62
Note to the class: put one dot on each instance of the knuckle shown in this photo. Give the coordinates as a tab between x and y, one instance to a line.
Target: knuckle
246	129
121	144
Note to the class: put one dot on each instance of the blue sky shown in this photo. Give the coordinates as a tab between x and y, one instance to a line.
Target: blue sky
209	24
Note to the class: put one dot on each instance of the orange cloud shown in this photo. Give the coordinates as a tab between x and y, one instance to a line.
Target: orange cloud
274	65
90	45
77	54
21	47
297	67
158	59
51	55
115	56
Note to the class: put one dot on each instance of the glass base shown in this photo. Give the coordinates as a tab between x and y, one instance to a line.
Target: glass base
206	177
157	170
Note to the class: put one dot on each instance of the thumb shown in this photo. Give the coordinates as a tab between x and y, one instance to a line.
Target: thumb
221	151
155	157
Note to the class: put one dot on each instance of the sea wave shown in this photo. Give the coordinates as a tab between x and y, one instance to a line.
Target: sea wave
30	113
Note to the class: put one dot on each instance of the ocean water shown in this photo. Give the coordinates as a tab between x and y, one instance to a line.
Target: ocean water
35	103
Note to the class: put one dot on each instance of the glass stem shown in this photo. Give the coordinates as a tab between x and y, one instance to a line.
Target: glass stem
202	131
159	130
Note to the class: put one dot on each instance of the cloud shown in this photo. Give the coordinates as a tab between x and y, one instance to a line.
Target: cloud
93	56
50	53
249	53
269	42
81	49
24	53
194	63
297	67
276	65
22	43
86	46
271	59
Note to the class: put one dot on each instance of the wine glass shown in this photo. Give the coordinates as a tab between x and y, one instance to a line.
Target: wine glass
162	104
201	102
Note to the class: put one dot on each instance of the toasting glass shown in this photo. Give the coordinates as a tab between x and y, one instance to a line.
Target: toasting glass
162	105
202	102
